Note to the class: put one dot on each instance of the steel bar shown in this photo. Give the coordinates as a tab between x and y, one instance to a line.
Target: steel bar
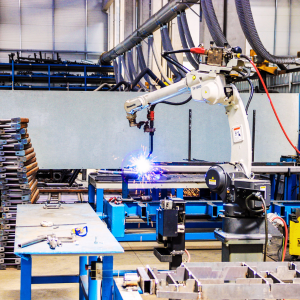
166	14
268	169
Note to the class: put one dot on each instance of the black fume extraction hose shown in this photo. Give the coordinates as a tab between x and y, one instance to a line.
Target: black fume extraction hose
115	65
132	68
213	18
127	85
184	43
125	68
187	33
178	77
170	47
247	23
142	62
142	74
210	25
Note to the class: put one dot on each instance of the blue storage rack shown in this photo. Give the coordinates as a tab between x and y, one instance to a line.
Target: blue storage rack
64	76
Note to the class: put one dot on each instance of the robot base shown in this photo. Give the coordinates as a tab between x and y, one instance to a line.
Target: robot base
241	247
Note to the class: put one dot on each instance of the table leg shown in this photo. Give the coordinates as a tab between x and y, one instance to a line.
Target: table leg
99	200
179	193
107	278
92	283
82	271
25	292
92	195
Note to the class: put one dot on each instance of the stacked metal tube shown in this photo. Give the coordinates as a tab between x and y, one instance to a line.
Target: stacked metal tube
18	184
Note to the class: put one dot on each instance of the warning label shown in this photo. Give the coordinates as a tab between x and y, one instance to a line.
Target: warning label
212	181
237	134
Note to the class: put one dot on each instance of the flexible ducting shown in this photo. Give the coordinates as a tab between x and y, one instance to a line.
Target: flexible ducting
142	62
118	85
132	68
149	73
125	68
169	47
247	23
115	65
163	16
213	18
184	43
154	51
187	33
210	25
172	68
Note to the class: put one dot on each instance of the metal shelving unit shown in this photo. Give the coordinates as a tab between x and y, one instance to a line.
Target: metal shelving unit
64	76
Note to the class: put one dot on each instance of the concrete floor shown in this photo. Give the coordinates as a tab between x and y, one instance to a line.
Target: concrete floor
57	265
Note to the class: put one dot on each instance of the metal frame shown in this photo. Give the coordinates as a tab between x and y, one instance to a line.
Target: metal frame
88	288
144	213
49	79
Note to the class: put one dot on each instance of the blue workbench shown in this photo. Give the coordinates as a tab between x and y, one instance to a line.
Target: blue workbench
98	241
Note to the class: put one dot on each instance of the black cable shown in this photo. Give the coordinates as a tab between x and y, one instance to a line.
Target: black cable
149	73
264	209
175	63
127	85
266	227
152	107
251	91
177	103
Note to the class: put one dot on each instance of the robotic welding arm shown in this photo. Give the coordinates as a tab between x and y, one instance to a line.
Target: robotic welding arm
209	85
242	196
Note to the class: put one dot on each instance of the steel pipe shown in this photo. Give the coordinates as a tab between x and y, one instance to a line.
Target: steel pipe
164	15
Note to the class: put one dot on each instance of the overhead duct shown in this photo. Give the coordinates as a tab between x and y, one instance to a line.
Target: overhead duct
164	15
247	23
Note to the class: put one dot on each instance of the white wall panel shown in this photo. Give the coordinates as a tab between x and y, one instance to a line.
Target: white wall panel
97	27
69	26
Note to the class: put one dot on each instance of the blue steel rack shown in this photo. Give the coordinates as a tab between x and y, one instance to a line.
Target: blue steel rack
205	211
64	76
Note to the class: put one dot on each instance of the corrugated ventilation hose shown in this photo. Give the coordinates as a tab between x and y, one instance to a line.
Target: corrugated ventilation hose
246	19
214	21
156	59
184	43
177	77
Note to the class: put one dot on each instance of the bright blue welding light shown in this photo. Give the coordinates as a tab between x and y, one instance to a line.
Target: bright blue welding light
142	165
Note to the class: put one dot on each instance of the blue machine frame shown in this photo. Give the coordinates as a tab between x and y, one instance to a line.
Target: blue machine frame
207	210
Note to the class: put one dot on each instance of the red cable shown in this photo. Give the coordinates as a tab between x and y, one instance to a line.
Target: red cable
274	110
286	236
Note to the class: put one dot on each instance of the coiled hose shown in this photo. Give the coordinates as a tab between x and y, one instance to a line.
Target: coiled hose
213	18
184	43
247	23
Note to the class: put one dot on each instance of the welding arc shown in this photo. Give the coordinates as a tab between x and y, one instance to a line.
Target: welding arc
272	105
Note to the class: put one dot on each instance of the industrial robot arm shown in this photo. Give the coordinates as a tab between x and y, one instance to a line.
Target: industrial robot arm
210	84
245	199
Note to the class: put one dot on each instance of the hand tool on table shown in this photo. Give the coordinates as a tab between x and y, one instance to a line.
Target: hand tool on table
50	224
51	239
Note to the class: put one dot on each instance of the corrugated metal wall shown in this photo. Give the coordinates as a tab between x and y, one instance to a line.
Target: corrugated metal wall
75	25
